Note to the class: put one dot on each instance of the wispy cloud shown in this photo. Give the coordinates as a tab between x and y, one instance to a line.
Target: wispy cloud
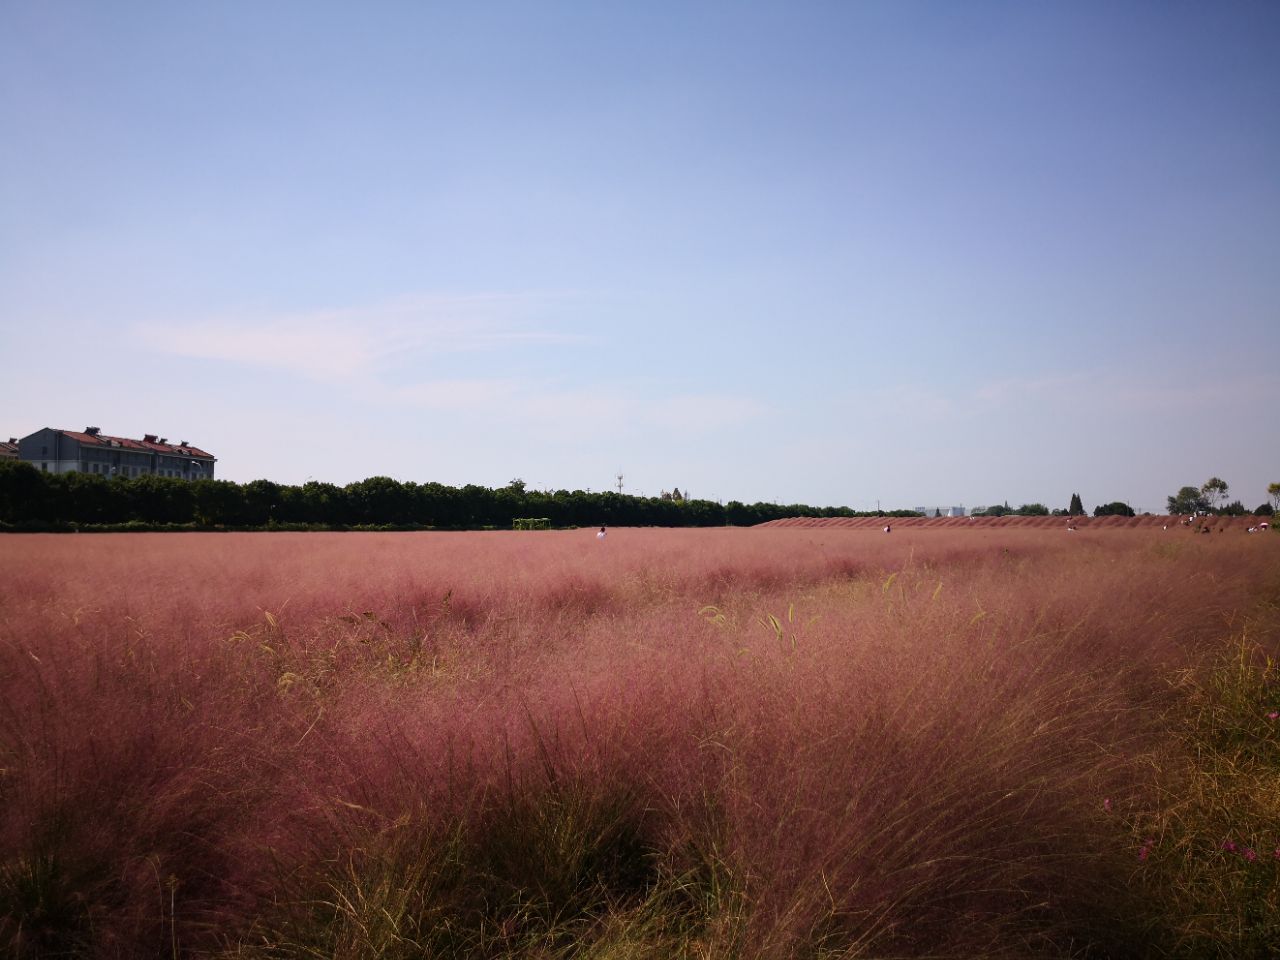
354	342
1213	395
1143	395
320	352
698	413
551	403
454	395
1019	389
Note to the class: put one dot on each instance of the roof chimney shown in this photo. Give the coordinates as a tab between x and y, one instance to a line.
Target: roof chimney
164	440
91	431
183	443
149	438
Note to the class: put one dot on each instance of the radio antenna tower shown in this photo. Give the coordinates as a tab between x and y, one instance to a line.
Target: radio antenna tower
619	481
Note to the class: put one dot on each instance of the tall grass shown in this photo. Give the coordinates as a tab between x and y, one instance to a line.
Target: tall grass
738	743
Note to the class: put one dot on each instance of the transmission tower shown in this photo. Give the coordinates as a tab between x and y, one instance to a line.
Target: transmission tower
619	481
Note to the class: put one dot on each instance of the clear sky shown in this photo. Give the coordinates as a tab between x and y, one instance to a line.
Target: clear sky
833	253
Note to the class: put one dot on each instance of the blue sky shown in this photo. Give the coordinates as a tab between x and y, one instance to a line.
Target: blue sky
834	253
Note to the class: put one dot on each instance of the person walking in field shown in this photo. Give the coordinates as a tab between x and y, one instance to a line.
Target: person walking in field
601	535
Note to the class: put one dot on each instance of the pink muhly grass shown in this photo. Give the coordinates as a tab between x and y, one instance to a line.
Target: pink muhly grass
215	732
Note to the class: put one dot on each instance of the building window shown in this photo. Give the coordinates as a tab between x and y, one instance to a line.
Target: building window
44	467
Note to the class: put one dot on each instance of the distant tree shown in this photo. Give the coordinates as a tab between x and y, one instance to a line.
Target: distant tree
1059	512
1233	509
676	494
316	502
217	502
937	512
1273	491
152	499
259	498
1032	510
24	493
516	485
1213	491
379	500
1188	500
1265	510
1077	506
92	498
1116	508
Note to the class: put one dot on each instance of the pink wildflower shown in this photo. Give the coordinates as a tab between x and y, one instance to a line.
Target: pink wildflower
1249	854
1229	846
1145	850
1106	804
1274	714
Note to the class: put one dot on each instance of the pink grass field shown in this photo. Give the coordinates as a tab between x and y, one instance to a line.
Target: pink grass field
769	742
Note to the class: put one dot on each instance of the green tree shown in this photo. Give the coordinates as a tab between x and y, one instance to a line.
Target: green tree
1273	491
152	499
92	498
381	500
1214	491
24	493
316	502
261	499
1115	508
1077	506
1188	500
217	502
1032	510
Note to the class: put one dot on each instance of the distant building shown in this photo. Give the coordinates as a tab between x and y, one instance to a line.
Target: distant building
9	451
940	511
91	451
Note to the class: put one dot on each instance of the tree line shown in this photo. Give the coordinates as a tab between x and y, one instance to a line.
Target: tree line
31	499
1211	497
1116	508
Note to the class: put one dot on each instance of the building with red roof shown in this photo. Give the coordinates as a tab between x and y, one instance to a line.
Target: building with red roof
91	451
